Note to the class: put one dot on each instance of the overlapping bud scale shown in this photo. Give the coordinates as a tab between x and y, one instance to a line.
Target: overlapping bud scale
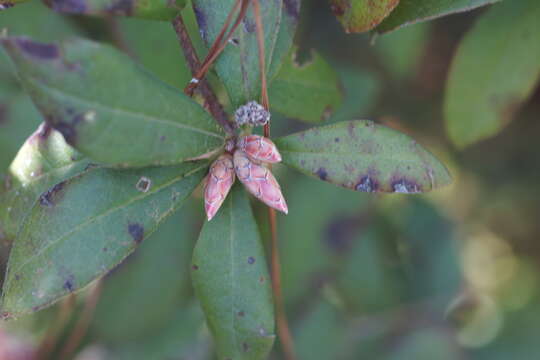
218	183
259	181
259	148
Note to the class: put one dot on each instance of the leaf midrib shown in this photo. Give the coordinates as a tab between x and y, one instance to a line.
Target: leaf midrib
106	108
93	219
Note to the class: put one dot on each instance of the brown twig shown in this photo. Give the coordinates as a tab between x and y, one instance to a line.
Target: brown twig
54	331
284	332
82	325
194	64
218	47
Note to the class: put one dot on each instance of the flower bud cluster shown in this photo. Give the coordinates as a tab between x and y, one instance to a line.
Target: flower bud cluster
252	114
246	163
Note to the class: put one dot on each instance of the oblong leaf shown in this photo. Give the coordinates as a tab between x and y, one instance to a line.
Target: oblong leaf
363	156
231	280
361	15
146	9
108	108
496	68
410	12
238	65
307	91
43	161
83	227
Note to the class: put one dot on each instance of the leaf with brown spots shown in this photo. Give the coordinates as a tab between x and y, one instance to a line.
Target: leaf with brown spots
109	108
238	65
308	91
145	9
228	263
495	70
364	156
63	238
361	15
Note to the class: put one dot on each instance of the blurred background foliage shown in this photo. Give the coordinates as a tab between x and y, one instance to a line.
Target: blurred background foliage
449	275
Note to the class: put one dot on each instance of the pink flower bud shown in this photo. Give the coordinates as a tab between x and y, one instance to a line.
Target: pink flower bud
218	183
259	181
259	148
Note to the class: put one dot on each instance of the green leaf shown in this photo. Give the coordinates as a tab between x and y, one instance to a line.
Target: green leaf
146	9
231	280
321	335
410	12
83	227
363	156
361	15
238	65
495	70
155	278
18	118
43	161
108	108
307	91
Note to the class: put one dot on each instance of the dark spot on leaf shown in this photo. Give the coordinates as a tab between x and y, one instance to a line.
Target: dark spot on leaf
350	130
241	313
6	5
144	184
121	7
234	41
292	7
249	25
67	130
245	347
336	140
367	184
405	186
162	138
38	50
17	276
69	6
195	267
262	279
251	260
322	174
136	231
49	197
69	283
201	20
105	249
3	114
